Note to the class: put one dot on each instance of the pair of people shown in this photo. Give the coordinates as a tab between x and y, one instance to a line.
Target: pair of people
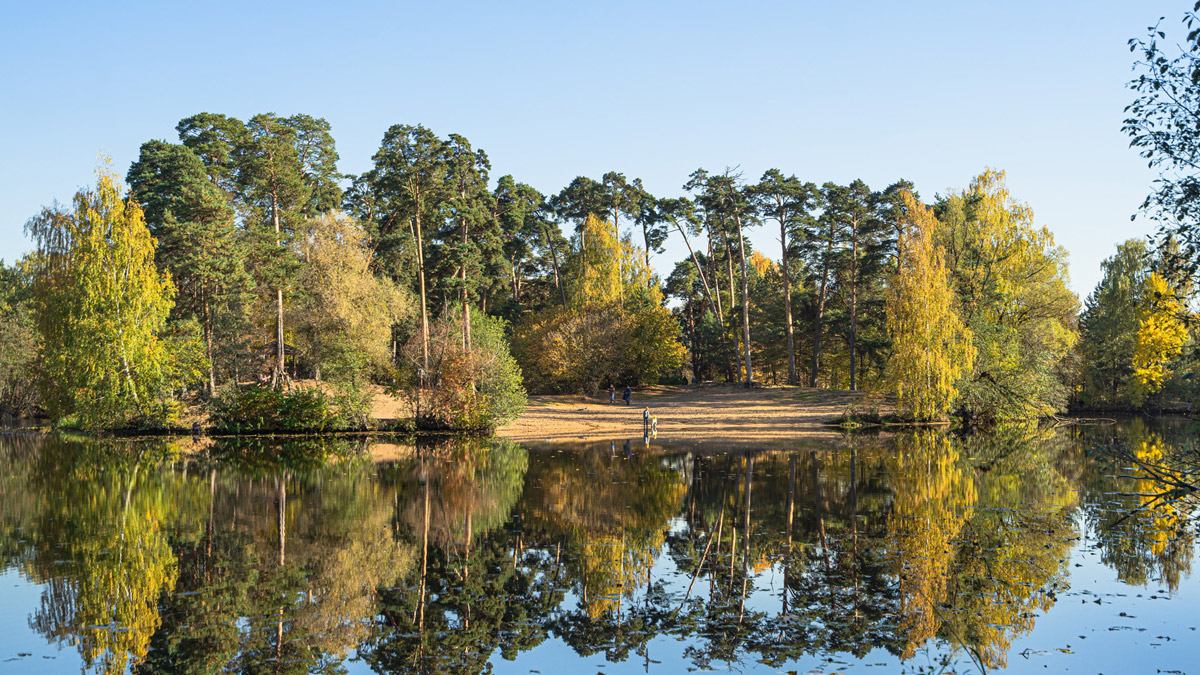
612	394
649	423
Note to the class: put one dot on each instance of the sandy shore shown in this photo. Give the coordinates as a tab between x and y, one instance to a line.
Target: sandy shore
726	414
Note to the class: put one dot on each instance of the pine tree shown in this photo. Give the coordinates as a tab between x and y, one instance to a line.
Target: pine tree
197	237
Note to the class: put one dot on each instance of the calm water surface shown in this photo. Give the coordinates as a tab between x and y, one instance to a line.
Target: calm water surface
1030	550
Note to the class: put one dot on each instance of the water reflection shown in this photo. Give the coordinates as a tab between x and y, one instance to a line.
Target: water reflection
310	556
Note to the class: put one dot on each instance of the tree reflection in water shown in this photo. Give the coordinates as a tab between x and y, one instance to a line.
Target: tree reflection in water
296	555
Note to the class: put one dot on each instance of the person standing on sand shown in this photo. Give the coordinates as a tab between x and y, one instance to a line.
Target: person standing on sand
646	421
627	395
612	394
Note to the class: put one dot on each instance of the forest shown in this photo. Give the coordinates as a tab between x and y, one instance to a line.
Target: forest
235	270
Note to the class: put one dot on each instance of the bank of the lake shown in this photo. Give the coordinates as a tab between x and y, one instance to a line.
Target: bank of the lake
727	413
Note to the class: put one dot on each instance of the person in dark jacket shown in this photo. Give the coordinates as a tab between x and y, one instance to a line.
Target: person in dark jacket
612	394
627	395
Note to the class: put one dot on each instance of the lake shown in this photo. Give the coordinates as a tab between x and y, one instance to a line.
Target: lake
1031	549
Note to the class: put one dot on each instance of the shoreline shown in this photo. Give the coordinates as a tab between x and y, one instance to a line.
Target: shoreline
727	414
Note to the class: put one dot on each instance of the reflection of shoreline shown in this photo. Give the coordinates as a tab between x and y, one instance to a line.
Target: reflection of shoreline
439	549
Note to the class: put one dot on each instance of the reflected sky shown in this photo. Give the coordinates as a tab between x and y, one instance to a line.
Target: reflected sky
1067	547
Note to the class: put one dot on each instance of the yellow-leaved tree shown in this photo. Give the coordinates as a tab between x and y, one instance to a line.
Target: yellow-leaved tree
1160	336
101	305
1010	279
932	349
614	327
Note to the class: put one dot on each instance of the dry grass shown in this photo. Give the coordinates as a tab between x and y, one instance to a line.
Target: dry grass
708	412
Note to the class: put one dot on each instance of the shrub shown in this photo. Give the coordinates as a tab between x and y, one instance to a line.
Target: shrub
262	409
475	390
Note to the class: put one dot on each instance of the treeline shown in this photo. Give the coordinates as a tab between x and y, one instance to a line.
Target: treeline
257	261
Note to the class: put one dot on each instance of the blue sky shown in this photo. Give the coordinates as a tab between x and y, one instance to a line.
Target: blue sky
929	91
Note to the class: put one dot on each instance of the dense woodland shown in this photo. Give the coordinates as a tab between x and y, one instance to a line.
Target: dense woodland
239	261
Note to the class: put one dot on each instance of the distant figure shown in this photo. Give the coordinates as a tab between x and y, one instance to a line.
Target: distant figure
646	421
612	394
654	426
627	395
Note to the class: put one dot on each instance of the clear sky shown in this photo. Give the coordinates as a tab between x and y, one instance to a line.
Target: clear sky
929	91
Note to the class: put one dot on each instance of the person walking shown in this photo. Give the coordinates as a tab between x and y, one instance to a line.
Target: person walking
627	395
612	394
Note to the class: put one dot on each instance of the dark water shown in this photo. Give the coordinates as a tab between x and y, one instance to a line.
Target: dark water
1044	550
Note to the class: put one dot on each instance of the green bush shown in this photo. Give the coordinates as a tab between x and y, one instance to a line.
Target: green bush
262	409
476	390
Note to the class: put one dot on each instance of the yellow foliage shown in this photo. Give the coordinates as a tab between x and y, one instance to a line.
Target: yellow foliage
932	349
1011	280
761	263
1160	337
101	305
605	268
934	495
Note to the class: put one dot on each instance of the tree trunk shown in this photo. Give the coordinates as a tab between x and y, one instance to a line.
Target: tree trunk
729	268
278	373
424	301
557	279
208	348
854	309
703	278
819	322
787	302
646	238
466	306
745	303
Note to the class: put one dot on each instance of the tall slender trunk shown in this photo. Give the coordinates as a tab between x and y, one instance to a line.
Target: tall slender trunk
466	311
787	300
466	306
208	347
646	239
557	279
745	302
716	278
700	271
854	309
424	301
819	322
729	269
278	373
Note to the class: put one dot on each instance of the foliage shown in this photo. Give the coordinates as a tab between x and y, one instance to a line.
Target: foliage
344	318
1011	281
931	348
614	328
198	242
471	389
18	340
101	304
1108	327
254	409
1163	123
1160	336
574	350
